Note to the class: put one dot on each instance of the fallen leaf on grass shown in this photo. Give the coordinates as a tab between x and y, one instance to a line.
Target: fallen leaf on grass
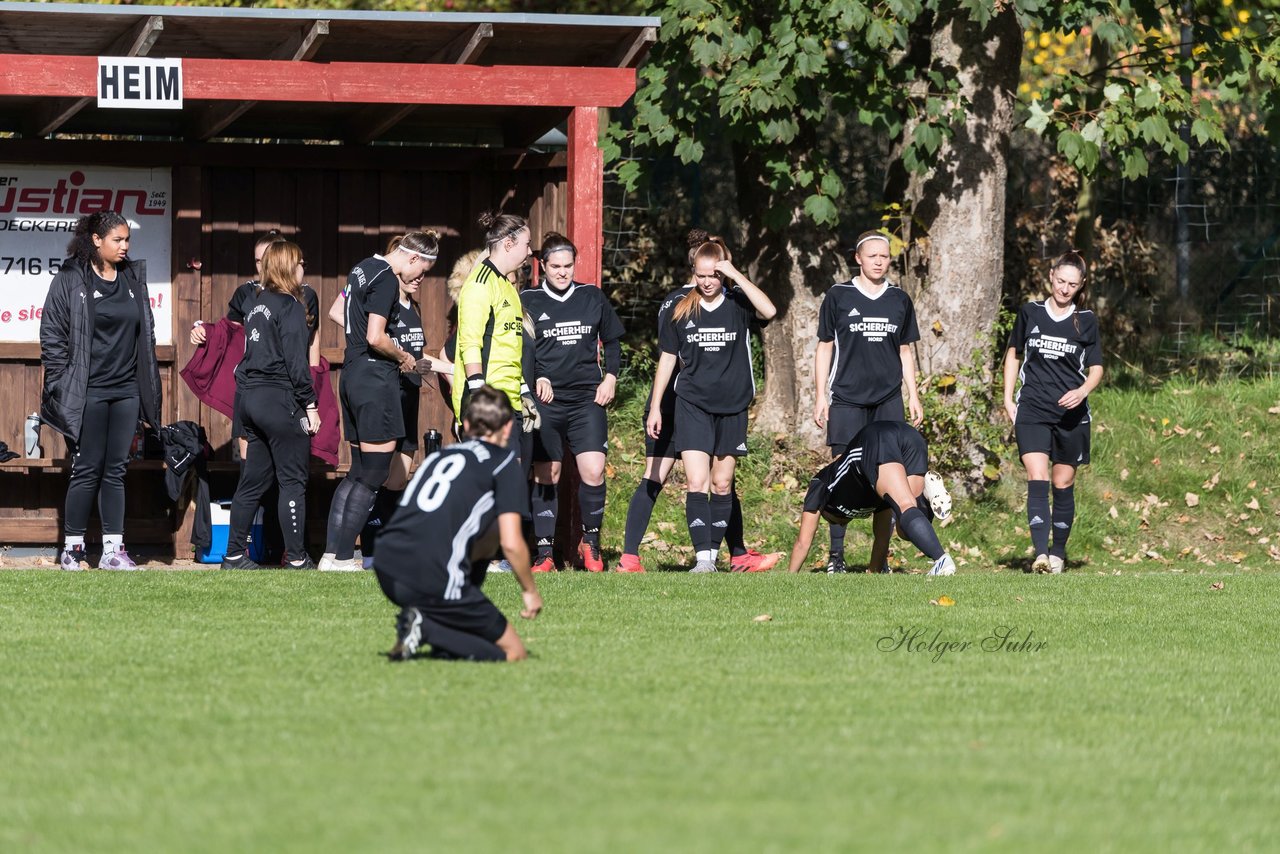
1217	585
1212	482
1275	410
1017	598
1181	431
1124	474
1192	499
1253	504
1215	449
944	601
763	618
1113	512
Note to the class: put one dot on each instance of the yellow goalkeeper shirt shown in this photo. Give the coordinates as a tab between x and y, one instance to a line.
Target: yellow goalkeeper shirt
490	333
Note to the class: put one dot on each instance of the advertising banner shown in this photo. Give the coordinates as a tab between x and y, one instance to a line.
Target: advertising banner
39	206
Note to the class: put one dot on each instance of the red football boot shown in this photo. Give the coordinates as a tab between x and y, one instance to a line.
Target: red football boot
544	564
629	563
753	561
589	557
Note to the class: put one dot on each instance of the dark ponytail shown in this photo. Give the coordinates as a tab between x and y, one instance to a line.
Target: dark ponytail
101	224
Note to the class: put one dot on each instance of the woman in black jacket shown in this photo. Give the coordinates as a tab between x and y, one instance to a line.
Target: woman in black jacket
98	348
277	407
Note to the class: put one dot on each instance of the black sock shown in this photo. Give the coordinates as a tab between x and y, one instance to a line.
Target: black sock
1064	514
591	504
921	534
721	507
337	509
837	540
359	505
925	507
733	533
543	501
639	511
697	513
384	507
1038	515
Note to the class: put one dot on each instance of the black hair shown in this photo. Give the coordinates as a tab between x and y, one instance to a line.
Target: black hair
101	224
554	241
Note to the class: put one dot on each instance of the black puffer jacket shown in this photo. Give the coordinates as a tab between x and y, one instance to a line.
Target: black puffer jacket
66	337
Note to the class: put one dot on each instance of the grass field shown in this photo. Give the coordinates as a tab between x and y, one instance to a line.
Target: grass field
207	711
204	711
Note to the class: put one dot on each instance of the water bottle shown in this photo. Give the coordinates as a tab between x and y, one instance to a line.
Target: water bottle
430	442
32	436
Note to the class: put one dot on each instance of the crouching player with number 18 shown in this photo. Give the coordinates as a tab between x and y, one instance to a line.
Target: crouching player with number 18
885	473
462	503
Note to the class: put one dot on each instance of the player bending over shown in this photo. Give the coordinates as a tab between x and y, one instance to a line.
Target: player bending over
433	555
884	472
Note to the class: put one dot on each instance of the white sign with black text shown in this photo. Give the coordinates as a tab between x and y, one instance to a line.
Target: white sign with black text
39	206
136	83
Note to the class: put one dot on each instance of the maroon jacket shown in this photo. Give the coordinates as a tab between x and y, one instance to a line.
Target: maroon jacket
211	376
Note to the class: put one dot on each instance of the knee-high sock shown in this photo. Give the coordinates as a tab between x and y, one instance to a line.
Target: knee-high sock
697	513
721	507
591	504
733	534
837	539
384	505
639	511
1038	514
921	534
337	511
374	467
1064	513
543	502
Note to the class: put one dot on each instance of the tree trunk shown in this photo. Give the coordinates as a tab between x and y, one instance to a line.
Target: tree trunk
955	236
794	265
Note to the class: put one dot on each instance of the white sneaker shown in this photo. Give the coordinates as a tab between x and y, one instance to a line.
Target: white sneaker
703	566
1040	564
503	565
1057	564
943	566
329	563
935	492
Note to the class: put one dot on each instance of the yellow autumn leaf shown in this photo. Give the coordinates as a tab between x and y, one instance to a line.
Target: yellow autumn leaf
946	601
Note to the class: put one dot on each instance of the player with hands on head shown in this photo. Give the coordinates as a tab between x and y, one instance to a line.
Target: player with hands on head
571	323
1061	365
884	473
463	501
708	336
864	360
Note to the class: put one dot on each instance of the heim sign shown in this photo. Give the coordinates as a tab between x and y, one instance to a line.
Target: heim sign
135	83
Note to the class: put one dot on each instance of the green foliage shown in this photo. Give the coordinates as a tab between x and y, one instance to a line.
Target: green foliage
1135	99
765	77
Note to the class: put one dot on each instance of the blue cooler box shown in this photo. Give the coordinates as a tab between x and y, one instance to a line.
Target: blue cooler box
220	516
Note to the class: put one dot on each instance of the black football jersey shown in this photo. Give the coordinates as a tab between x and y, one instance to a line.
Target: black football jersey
664	311
275	347
405	328
242	300
1057	353
456	494
713	349
866	369
568	328
371	289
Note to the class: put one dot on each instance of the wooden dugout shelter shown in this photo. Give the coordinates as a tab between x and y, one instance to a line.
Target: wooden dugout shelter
342	129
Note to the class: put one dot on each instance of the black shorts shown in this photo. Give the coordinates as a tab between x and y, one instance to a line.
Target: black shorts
410	399
473	613
1065	443
576	420
892	442
717	435
844	421
370	407
662	447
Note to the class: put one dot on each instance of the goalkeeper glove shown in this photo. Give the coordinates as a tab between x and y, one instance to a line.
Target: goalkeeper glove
530	419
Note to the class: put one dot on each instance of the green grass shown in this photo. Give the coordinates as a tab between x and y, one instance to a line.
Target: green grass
1152	444
206	711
